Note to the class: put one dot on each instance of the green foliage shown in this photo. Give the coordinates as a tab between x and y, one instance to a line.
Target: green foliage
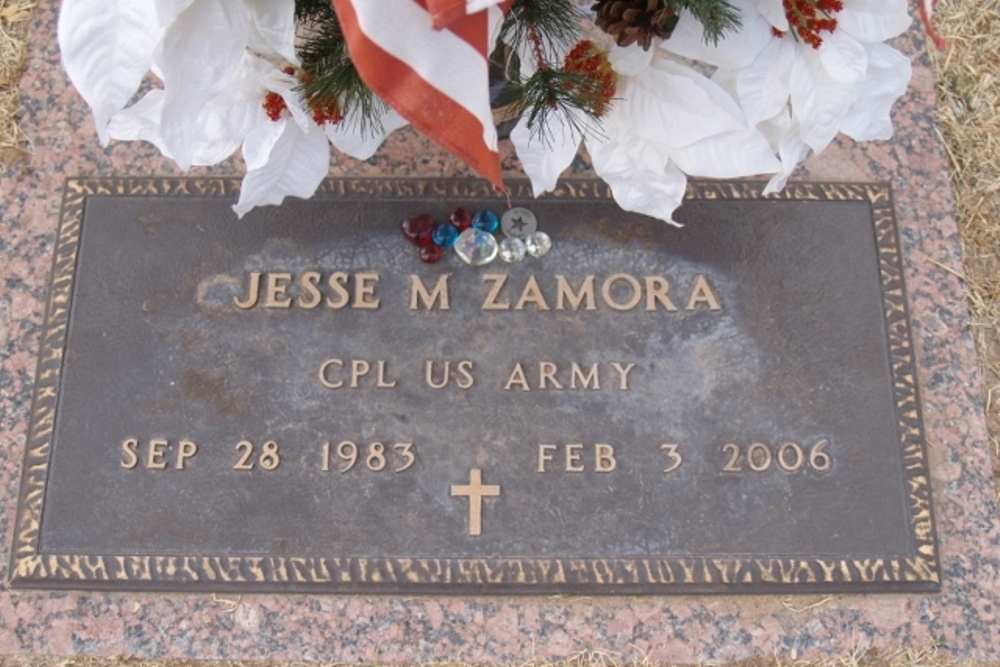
553	91
329	78
542	30
552	25
717	17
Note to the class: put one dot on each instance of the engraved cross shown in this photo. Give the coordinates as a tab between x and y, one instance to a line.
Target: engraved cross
476	492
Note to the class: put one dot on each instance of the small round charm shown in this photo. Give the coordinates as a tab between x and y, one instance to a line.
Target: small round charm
476	247
512	249
538	244
445	234
431	253
519	222
486	221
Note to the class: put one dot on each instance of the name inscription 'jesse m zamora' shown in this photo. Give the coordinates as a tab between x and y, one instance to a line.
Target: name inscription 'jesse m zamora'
335	290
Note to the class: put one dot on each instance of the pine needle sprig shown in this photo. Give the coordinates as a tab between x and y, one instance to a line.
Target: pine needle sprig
553	91
329	77
312	10
717	17
549	27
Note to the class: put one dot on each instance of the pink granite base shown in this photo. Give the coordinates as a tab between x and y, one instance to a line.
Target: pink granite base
962	618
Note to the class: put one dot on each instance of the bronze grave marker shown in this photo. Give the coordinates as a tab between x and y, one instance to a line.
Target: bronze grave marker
294	402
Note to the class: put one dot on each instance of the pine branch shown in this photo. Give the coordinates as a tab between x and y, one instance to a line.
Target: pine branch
717	17
553	26
329	78
312	10
552	91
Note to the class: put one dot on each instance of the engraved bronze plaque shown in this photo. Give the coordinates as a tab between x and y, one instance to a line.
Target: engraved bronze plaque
294	402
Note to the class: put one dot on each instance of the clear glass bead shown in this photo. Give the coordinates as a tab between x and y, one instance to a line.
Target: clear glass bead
476	247
538	244
512	249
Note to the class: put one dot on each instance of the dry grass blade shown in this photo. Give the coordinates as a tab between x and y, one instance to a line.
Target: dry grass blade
969	113
14	18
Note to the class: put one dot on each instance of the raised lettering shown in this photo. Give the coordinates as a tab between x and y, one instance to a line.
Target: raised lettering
276	295
545	454
128	451
324	378
623	372
420	294
701	292
546	374
532	293
491	303
573	458
517	378
604	458
656	291
253	292
311	296
635	288
364	290
340	297
565	294
589	381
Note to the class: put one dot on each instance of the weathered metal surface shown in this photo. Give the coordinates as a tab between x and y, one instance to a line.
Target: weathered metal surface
728	407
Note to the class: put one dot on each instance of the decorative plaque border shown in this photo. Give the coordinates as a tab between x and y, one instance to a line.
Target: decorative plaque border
918	571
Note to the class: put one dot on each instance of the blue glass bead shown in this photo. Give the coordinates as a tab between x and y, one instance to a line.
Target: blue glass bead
445	234
486	221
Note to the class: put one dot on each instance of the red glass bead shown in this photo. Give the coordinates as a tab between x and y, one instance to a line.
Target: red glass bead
431	253
461	218
418	229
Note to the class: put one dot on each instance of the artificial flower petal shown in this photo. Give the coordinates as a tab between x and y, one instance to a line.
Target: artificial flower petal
736	154
297	163
629	60
361	143
819	103
219	127
762	87
791	150
260	141
842	56
107	47
141	122
201	50
736	48
673	105
272	28
773	11
873	20
657	193
545	157
886	79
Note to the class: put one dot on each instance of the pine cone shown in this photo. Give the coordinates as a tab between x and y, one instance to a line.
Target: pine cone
635	21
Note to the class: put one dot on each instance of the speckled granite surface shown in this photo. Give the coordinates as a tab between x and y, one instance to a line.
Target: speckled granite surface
963	618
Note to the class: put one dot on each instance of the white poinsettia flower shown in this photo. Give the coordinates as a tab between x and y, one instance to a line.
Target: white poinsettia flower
220	126
820	68
222	89
666	122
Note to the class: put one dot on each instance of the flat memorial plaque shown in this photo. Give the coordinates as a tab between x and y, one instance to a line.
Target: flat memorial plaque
295	403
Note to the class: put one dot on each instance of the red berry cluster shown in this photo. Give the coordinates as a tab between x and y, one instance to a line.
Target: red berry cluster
587	60
808	18
274	104
326	113
322	112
